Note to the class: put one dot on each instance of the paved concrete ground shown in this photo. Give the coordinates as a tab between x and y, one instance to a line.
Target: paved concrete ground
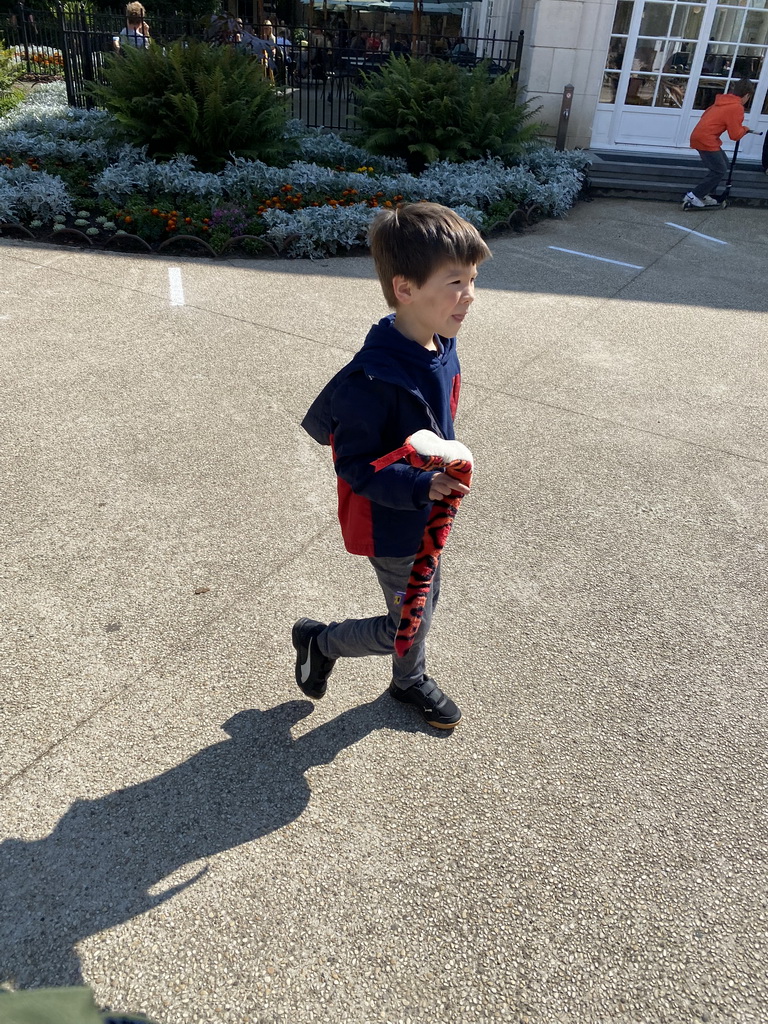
196	841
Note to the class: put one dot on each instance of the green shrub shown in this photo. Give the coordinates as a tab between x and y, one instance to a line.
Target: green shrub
9	100
433	110
10	70
196	99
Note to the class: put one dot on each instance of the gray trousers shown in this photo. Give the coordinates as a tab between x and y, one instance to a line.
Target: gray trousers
716	163
357	638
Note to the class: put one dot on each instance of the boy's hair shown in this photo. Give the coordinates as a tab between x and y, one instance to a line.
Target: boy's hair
416	239
743	88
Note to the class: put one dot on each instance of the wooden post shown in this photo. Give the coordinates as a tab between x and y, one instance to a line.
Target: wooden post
416	26
565	114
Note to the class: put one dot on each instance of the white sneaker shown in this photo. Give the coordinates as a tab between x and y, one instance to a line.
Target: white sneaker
710	201
689	199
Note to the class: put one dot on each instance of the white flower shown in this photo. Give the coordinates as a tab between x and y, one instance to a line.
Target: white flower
92	231
81	222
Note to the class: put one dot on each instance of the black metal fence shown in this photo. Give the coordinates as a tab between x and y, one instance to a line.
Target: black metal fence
320	78
316	70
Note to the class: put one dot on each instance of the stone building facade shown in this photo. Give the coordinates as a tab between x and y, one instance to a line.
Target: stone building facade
642	70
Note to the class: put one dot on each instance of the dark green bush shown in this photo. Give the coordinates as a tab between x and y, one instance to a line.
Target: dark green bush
434	110
197	99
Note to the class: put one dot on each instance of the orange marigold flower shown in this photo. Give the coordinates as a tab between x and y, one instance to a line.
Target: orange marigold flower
388	203
187	220
155	212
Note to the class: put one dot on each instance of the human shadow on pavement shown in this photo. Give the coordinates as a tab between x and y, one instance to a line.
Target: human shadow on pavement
96	868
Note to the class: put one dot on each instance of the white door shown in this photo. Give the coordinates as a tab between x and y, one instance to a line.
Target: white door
667	60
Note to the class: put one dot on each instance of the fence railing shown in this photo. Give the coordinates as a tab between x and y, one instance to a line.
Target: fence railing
320	79
316	71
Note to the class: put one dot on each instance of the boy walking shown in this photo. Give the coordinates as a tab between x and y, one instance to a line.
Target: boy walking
405	378
725	114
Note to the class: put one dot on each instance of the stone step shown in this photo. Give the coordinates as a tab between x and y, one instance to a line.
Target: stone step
660	175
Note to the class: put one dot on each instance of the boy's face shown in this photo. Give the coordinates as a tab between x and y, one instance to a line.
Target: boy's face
441	303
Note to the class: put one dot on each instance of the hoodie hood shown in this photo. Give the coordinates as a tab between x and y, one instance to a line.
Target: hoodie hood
727	99
388	355
433	378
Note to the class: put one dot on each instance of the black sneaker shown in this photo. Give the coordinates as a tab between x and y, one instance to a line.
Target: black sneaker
312	667
437	708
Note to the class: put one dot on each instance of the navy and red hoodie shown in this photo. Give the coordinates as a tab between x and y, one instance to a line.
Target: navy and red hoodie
390	389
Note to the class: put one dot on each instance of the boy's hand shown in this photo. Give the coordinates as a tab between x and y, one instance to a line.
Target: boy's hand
442	485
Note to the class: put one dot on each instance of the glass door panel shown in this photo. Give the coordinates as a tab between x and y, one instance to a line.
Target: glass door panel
756	28
622	17
656	19
727	26
686	23
667	60
671	92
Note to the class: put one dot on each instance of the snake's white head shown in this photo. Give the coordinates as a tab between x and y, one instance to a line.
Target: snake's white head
426	442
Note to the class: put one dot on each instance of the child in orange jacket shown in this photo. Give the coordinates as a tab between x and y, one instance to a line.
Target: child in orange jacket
725	114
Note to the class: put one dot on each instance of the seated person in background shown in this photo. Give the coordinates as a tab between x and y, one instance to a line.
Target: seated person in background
254	44
136	31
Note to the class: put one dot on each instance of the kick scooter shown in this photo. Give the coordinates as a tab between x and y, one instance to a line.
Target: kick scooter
722	199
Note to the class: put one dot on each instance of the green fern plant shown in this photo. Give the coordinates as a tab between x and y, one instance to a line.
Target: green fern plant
197	99
433	110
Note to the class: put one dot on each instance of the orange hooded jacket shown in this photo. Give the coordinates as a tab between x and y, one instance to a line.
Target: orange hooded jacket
725	114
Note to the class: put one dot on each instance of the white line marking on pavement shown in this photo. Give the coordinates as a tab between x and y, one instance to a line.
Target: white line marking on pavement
176	287
708	237
602	259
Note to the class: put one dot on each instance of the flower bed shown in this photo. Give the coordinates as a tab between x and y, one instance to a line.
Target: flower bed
65	171
43	60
